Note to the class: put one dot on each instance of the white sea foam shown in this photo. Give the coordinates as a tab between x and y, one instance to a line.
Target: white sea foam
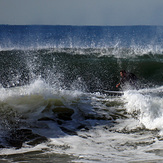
101	143
148	106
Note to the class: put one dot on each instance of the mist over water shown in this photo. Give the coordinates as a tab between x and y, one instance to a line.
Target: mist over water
54	104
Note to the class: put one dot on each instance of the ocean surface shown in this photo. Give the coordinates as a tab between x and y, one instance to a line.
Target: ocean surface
54	104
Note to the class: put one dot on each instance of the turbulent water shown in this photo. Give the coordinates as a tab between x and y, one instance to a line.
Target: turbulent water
54	105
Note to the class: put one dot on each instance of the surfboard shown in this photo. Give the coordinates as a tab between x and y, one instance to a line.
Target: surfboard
114	93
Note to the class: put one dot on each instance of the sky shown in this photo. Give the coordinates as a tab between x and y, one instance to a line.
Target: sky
81	12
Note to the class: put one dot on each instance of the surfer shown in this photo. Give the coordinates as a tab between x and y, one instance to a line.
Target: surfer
127	79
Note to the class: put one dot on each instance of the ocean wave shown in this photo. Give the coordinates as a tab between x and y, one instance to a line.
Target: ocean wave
34	109
39	116
117	52
55	103
81	69
147	104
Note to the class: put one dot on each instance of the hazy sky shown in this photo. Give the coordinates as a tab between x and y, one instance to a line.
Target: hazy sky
82	12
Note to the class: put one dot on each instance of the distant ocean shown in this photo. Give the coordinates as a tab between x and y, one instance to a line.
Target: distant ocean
54	105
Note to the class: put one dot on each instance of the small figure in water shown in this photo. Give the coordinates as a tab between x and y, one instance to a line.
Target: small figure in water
127	79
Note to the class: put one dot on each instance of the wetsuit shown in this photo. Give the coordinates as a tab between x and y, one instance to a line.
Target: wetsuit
129	79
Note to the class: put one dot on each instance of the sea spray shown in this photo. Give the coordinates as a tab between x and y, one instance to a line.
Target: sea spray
147	106
54	104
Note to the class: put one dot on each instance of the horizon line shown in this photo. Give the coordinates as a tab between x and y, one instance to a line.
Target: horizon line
75	25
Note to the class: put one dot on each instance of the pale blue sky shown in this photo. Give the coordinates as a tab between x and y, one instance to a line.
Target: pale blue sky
82	12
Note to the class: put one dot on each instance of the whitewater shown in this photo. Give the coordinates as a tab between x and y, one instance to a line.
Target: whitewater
54	105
